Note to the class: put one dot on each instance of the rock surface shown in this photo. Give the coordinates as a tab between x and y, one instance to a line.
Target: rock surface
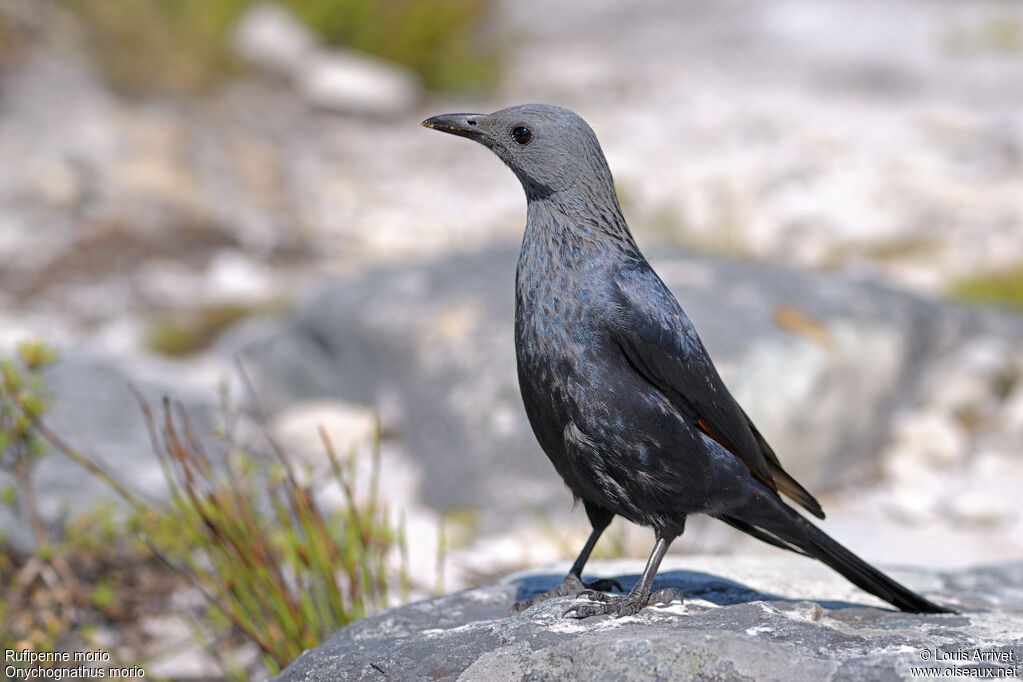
785	619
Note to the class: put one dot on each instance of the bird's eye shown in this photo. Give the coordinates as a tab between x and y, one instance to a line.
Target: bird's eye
522	134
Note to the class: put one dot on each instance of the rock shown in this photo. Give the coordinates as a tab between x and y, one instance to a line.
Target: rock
784	619
351	82
431	345
349	427
287	358
952	458
56	183
55	133
925	440
352	432
272	38
189	660
233	277
1014	411
230	278
336	79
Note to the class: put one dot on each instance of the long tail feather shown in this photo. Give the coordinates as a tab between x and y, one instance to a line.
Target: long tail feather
769	516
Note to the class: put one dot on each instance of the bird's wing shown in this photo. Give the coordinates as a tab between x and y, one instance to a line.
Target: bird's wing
658	340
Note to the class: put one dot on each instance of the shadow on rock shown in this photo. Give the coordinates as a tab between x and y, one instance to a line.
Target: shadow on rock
694	585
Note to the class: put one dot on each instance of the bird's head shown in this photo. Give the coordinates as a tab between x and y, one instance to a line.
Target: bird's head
549	148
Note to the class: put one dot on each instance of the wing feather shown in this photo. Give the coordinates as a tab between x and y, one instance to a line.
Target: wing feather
659	341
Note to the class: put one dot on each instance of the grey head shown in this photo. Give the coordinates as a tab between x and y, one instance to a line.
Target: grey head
549	148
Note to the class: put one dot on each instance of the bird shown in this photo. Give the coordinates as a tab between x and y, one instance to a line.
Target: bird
617	385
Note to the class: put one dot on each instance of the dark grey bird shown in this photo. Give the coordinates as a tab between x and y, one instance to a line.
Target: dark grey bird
617	385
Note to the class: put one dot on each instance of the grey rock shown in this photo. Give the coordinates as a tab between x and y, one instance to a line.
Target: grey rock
431	345
766	624
270	37
351	82
286	355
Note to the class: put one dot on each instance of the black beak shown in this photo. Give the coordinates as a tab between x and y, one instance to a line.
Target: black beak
463	125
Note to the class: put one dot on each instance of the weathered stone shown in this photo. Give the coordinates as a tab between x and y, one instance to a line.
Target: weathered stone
785	619
272	38
350	82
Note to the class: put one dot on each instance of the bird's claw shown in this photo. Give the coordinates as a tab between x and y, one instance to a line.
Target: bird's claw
601	604
666	596
571	586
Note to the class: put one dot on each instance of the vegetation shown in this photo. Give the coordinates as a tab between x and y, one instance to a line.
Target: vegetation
181	45
442	40
996	32
273	567
169	46
1003	287
186	331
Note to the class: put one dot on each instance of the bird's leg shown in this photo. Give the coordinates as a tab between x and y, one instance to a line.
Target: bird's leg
573	583
629	604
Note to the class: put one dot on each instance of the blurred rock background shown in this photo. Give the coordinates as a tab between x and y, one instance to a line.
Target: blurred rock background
833	189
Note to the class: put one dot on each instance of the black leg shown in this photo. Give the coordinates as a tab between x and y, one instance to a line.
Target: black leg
573	584
600	519
635	600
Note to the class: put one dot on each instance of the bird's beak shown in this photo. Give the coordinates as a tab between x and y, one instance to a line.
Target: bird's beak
463	125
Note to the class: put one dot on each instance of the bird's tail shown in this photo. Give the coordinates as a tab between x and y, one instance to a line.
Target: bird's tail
771	520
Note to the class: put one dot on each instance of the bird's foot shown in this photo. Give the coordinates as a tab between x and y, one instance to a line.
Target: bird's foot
601	604
571	586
